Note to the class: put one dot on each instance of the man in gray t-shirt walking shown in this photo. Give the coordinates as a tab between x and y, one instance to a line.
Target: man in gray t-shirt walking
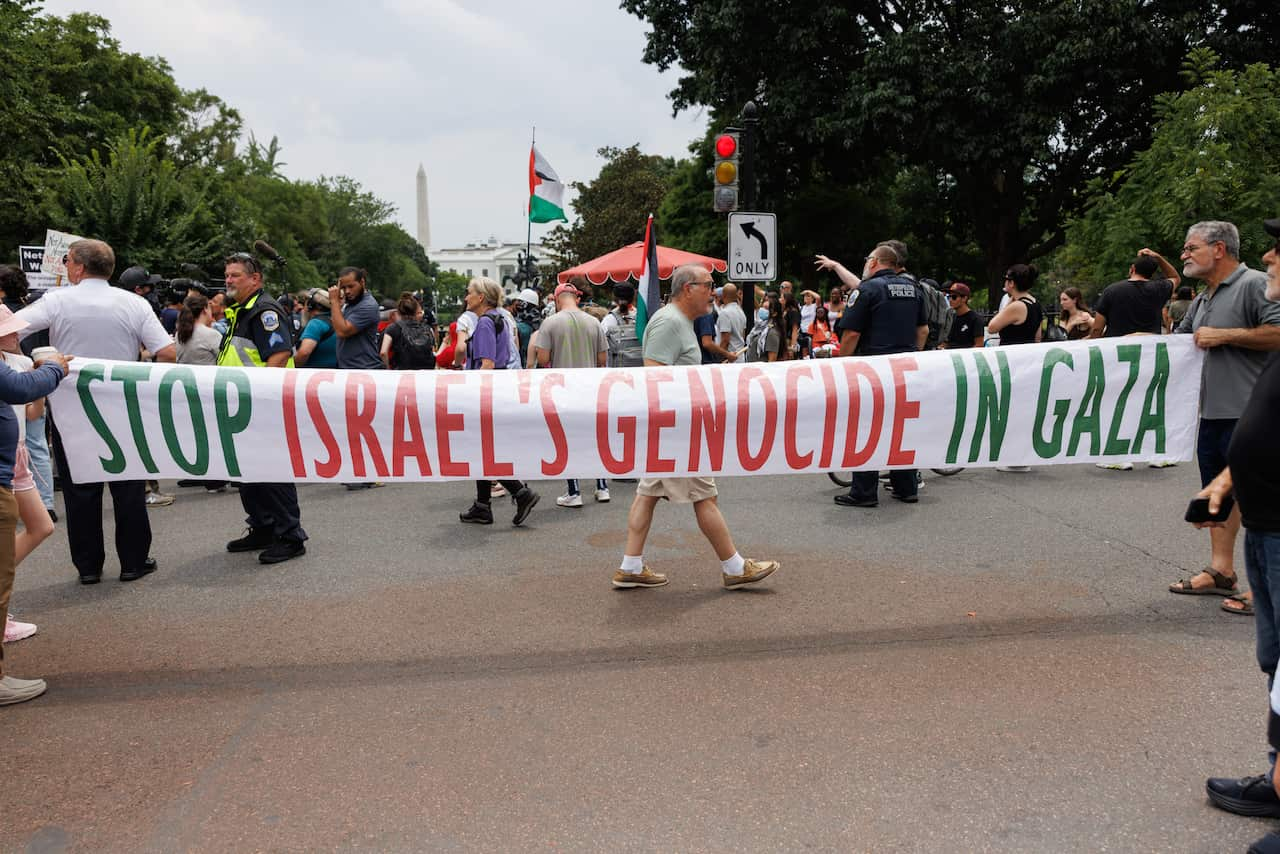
669	339
1236	326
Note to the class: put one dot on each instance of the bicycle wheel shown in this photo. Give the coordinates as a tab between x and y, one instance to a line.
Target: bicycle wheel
840	478
947	472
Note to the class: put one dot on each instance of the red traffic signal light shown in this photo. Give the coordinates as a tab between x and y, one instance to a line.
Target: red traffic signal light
725	171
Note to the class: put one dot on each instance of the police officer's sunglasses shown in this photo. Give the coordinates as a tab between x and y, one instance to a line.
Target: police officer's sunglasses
246	260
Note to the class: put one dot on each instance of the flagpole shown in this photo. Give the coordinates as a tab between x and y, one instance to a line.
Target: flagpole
528	238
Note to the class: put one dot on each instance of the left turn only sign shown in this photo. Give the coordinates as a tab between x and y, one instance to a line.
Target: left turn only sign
753	247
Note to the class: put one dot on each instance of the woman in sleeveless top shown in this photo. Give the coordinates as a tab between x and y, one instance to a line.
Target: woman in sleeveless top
1019	321
1075	319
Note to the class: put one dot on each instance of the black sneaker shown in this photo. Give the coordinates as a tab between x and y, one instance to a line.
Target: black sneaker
850	501
1269	844
1246	796
479	514
282	550
255	540
525	500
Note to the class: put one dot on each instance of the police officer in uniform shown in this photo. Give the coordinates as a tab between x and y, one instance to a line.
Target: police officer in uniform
259	336
885	314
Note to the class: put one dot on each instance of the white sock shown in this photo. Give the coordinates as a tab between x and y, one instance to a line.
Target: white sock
732	566
632	564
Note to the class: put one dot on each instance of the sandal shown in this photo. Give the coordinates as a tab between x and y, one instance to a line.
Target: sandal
1246	605
1223	585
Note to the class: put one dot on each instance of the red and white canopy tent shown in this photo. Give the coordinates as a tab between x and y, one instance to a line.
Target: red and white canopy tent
627	263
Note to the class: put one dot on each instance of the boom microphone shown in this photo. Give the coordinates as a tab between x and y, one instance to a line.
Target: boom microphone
264	249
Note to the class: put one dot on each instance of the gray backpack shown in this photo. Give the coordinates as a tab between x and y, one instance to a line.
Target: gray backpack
624	347
939	312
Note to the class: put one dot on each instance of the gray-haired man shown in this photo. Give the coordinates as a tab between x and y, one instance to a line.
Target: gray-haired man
1237	327
669	339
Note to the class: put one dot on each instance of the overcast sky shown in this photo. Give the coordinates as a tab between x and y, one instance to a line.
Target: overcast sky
371	89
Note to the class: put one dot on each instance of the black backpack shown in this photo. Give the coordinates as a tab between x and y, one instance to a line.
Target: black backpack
416	347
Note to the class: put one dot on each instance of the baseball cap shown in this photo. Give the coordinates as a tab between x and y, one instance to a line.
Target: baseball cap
528	295
1272	226
137	277
567	288
959	289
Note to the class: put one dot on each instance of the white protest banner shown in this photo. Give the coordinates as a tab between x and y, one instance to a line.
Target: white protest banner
1033	404
55	246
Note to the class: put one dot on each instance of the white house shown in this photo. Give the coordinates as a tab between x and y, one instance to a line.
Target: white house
490	258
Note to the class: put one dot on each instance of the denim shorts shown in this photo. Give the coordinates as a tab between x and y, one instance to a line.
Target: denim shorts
1211	446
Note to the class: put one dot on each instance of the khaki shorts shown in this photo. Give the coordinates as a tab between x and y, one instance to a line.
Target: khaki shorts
678	490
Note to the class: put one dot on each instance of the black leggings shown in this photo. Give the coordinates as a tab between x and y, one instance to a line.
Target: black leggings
485	487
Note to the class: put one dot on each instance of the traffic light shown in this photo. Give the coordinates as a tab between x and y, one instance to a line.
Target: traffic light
725	173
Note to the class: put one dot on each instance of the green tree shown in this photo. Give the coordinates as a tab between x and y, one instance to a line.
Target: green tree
611	210
393	259
66	89
1215	154
1009	110
449	289
134	200
685	218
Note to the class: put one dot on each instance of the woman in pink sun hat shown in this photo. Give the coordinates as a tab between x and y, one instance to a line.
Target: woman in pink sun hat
36	523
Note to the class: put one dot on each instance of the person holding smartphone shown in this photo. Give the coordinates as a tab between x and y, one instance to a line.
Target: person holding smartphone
1253	476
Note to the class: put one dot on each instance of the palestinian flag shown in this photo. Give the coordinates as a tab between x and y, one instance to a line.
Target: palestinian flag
648	300
546	193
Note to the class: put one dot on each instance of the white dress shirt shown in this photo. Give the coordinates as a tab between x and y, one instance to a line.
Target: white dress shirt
96	321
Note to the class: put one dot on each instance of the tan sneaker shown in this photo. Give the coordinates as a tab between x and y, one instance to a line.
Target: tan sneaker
644	578
752	571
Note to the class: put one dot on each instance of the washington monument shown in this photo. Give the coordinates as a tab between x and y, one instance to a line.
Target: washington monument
424	215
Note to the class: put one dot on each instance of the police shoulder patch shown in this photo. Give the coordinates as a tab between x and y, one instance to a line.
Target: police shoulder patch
853	296
270	321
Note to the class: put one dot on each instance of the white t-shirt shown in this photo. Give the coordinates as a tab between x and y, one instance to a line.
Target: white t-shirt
96	321
990	339
807	313
21	364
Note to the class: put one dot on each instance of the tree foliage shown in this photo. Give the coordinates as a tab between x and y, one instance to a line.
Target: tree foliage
611	210
1008	111
104	143
1215	154
133	199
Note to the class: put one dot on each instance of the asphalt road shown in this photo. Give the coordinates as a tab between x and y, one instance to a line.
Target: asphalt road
998	668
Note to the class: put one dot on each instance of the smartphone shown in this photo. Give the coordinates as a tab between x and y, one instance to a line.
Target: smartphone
1198	510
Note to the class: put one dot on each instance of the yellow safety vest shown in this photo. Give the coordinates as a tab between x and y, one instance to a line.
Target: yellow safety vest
240	350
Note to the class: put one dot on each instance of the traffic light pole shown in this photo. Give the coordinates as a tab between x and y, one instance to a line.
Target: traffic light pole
748	184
